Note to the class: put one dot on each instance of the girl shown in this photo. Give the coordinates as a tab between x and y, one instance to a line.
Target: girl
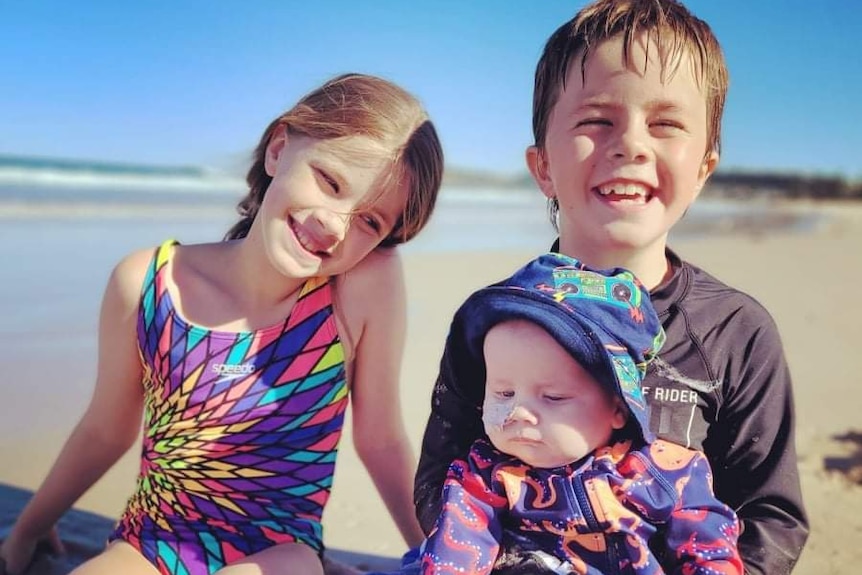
240	354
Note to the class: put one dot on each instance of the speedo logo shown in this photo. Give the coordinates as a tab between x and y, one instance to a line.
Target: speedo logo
228	371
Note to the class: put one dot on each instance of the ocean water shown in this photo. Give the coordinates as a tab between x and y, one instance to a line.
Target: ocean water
64	224
197	204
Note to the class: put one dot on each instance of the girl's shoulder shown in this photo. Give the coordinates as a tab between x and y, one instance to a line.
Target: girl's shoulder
371	293
377	270
129	273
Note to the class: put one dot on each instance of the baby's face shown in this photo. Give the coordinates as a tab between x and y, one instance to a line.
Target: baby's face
540	405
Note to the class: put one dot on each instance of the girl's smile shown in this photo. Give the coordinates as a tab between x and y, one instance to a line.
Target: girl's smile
312	246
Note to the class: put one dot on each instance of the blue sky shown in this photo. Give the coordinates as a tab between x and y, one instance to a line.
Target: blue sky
196	82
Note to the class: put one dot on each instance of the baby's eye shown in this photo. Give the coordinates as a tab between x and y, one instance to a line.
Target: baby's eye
552	397
593	122
505	394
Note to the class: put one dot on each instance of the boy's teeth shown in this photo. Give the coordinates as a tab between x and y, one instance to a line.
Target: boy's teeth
623	190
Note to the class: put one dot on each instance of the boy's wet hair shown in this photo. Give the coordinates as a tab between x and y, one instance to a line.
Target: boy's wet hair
666	22
361	105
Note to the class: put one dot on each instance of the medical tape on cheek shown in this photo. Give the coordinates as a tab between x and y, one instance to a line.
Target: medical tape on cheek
496	416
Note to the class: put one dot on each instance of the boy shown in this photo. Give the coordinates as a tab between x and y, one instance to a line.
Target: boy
626	117
570	473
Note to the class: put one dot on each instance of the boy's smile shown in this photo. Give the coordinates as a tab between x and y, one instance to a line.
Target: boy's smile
626	150
625	191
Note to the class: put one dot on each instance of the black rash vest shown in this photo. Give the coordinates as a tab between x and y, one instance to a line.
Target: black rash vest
720	384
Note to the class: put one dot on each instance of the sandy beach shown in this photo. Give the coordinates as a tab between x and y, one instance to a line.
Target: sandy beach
808	281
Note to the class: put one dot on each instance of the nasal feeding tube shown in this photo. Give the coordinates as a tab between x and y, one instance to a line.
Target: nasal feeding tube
498	415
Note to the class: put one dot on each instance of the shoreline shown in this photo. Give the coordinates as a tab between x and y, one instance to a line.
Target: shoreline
713	219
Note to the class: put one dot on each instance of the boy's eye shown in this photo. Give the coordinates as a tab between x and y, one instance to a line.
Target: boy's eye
667	125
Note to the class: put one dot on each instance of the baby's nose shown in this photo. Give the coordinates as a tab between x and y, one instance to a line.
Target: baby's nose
521	413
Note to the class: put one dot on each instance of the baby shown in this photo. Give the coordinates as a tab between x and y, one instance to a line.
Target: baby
569	475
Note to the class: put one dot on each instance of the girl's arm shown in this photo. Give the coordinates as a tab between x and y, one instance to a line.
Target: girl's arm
374	298
108	427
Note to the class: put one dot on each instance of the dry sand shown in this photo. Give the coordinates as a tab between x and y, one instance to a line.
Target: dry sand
810	282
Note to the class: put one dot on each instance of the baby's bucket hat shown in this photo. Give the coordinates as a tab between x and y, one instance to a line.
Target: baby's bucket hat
604	319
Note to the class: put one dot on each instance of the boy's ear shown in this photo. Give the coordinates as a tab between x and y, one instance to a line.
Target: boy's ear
710	163
276	145
538	166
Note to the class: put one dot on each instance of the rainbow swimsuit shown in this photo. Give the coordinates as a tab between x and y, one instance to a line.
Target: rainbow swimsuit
241	431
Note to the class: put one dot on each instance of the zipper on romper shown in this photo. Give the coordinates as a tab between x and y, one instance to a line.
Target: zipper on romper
579	491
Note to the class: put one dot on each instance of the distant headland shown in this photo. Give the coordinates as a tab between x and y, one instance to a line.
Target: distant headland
724	184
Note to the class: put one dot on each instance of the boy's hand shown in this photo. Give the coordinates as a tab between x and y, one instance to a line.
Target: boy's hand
17	553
